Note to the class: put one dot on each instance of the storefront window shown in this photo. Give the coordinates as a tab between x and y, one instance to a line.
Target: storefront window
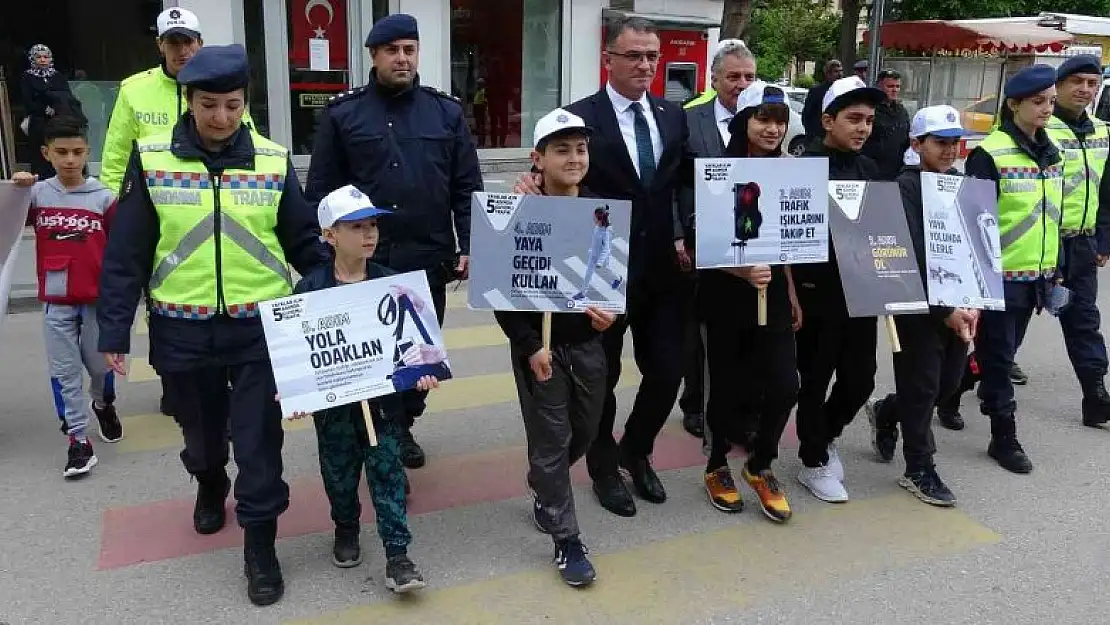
505	66
257	99
318	63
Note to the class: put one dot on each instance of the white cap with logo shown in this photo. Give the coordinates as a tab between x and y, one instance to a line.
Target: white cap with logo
757	94
850	90
346	204
559	120
178	21
942	121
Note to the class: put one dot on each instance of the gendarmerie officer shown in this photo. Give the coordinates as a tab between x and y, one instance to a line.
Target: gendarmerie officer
408	147
210	218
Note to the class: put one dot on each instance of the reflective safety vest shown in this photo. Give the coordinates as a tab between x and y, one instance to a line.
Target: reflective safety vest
1028	209
217	251
1084	162
703	97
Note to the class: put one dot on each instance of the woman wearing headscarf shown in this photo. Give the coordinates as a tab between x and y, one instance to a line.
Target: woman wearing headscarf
45	94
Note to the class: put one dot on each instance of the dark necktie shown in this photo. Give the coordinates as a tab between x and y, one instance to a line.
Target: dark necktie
645	152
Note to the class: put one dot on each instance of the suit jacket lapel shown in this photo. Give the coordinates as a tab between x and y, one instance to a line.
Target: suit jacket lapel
608	128
664	132
712	134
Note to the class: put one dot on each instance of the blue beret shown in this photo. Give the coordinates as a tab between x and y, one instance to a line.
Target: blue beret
217	69
1031	80
1082	64
391	28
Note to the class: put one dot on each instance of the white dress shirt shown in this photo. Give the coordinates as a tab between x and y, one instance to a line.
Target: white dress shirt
626	120
724	116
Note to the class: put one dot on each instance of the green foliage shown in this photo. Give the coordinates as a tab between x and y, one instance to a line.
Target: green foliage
782	30
804	81
972	9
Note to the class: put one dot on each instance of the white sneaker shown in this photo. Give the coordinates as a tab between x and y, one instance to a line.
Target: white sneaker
835	465
823	484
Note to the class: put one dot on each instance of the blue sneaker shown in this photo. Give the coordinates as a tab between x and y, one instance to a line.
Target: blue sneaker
574	566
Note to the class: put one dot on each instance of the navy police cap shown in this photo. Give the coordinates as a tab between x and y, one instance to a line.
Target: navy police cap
1029	81
1081	64
217	69
391	28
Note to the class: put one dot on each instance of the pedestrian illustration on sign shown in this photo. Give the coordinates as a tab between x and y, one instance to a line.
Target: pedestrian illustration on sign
415	357
601	250
747	217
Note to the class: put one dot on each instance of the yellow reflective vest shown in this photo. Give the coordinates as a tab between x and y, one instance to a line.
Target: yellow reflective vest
703	97
148	103
217	251
1028	209
1084	162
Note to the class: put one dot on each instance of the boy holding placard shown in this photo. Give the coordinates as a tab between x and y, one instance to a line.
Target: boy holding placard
559	365
349	222
934	345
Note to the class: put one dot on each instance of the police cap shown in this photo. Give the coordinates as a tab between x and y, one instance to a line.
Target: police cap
391	28
1081	64
217	69
1029	81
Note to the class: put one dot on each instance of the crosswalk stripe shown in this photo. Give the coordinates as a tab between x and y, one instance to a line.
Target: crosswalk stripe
697	576
149	432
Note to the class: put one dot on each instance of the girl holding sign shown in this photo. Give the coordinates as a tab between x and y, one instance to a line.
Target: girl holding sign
744	352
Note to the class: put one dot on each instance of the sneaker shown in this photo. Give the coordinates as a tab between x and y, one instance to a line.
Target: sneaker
81	458
1017	376
111	430
401	575
835	465
617	284
772	498
927	486
884	436
574	567
823	483
412	456
1010	455
346	553
722	491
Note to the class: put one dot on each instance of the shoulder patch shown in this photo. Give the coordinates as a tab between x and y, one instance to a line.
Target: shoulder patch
347	95
440	93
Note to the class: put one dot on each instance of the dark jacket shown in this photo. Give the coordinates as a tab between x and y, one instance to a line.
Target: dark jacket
412	153
524	329
890	138
818	284
1083	127
704	142
323	277
653	264
909	183
811	112
183	344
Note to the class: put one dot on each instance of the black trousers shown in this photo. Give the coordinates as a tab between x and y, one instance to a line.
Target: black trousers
844	346
1080	320
657	321
999	335
415	401
750	366
204	404
930	366
560	419
692	400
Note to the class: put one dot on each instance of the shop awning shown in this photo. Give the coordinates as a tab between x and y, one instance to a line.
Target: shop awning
988	36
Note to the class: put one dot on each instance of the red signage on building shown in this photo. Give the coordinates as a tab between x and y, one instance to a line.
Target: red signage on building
318	19
682	70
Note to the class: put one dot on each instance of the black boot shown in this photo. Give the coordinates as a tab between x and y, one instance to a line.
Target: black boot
209	514
347	553
1096	403
260	564
948	413
1007	451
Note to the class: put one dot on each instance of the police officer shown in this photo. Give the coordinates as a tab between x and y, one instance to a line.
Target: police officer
408	147
1085	226
210	217
1029	197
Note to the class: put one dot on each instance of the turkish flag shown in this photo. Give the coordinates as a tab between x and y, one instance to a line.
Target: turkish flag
318	19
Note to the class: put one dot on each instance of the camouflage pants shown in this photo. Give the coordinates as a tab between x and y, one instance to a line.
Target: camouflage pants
344	449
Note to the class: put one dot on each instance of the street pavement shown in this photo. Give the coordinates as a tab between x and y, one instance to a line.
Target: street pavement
118	547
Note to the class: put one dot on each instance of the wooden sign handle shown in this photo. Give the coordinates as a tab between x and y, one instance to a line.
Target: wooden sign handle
546	331
892	334
369	418
761	306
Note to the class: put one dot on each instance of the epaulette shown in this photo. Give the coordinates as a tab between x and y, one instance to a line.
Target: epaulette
139	76
440	93
347	95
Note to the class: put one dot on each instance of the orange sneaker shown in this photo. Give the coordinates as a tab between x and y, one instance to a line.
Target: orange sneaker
772	499
722	491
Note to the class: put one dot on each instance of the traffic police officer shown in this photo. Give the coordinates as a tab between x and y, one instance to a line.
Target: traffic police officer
408	147
1085	226
1026	167
210	218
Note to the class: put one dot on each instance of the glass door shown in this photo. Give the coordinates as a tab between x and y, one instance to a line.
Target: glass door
319	65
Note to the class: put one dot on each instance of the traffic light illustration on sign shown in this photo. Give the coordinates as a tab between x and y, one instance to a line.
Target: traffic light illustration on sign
746	216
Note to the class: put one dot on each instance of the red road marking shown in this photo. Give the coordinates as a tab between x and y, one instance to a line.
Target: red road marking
163	530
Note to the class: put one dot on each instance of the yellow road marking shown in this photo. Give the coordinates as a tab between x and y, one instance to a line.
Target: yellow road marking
149	432
696	576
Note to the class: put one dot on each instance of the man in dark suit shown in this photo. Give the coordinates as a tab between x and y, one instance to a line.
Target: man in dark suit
636	153
733	68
